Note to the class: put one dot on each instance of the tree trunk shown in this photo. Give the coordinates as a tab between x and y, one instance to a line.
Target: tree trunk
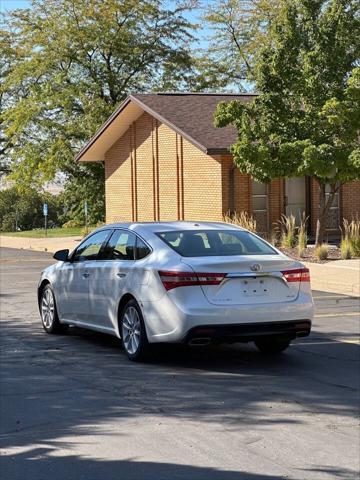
324	208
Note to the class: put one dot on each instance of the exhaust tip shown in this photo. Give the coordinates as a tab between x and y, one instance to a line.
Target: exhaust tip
200	342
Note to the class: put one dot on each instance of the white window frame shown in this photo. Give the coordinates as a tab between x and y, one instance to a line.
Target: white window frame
262	195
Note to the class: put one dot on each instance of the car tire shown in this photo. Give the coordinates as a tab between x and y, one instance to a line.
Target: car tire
48	312
272	346
133	334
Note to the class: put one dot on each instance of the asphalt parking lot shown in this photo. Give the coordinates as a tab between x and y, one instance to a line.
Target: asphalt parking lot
73	406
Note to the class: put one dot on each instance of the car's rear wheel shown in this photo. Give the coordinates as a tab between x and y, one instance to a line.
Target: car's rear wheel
271	346
48	312
133	333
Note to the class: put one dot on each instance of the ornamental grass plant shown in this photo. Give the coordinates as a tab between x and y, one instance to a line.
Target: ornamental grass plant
242	219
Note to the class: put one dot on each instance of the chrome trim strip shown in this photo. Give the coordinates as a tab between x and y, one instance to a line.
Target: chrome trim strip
253	274
278	275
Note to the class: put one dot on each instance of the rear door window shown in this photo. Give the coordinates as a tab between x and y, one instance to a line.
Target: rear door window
121	246
142	250
195	243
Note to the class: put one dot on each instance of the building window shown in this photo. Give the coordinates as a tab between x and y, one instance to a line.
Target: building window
260	205
333	220
232	191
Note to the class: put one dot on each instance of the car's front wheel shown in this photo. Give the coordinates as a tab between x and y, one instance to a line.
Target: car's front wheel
48	312
272	345
133	333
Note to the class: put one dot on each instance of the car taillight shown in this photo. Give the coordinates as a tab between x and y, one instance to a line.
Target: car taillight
172	280
297	275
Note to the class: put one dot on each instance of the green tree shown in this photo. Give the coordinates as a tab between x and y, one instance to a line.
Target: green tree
75	61
237	29
305	120
23	210
82	189
7	60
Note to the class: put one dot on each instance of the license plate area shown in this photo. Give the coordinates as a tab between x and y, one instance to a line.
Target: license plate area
254	287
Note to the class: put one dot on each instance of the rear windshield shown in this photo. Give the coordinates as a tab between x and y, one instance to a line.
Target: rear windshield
207	243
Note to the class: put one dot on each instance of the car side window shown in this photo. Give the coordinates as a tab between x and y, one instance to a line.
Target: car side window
141	249
90	248
121	246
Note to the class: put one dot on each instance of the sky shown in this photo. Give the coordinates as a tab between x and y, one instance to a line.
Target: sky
12	4
192	16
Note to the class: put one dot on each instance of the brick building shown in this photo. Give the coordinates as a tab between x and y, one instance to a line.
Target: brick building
165	160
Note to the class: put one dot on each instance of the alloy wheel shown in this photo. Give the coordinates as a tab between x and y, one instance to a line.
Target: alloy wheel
47	308
131	330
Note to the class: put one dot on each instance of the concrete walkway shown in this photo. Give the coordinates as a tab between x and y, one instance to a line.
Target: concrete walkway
339	277
40	244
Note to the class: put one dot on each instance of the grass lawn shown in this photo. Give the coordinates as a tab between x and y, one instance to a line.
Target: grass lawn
51	233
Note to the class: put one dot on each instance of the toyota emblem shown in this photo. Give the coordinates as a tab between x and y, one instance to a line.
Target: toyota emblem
255	267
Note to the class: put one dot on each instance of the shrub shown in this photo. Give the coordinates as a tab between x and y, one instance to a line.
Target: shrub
321	251
72	224
355	237
288	229
345	249
351	233
302	236
273	238
242	219
86	230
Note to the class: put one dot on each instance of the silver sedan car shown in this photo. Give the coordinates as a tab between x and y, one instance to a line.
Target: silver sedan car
178	282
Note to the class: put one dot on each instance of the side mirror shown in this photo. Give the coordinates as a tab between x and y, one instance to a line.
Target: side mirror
62	255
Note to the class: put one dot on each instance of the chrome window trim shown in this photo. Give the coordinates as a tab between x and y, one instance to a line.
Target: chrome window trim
126	260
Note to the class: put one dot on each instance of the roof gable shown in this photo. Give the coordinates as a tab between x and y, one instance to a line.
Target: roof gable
189	114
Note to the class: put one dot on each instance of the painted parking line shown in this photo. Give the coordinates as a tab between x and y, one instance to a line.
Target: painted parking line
353	341
345	267
335	297
22	260
338	314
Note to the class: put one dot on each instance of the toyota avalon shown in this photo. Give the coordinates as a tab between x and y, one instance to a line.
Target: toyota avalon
178	282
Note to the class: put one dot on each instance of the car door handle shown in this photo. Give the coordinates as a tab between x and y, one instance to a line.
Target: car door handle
121	275
86	275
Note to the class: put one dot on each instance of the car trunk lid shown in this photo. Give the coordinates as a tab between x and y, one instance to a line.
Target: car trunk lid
248	280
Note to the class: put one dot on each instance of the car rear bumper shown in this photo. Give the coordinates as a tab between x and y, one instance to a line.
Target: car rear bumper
167	322
246	332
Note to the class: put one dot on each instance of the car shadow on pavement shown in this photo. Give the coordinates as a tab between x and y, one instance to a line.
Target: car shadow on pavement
66	399
56	387
39	463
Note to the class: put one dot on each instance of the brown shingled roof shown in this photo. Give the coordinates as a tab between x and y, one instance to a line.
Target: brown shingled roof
192	115
189	114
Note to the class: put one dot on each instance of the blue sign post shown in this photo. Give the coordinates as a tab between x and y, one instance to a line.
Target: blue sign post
45	212
86	214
